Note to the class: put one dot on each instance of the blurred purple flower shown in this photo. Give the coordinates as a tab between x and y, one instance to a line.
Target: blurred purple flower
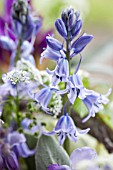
66	127
18	144
7	28
77	156
12	146
4	93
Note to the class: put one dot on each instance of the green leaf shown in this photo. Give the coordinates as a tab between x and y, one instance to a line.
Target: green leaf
48	152
31	142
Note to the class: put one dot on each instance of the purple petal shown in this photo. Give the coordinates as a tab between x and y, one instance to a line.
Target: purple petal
53	43
1	162
86	118
81	154
76	28
61	138
85	131
50	71
62	91
2	25
72	95
28	29
47	98
80	44
49	133
25	151
58	167
72	136
40	95
55	80
59	24
8	5
38	24
17	27
14	138
12	162
51	54
26	49
7	43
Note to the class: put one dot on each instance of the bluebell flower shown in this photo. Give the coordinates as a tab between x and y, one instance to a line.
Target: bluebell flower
42	97
69	26
24	25
66	127
78	156
61	72
12	146
75	88
72	22
27	30
94	102
51	54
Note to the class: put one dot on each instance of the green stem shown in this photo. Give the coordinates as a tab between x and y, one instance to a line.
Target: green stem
17	110
68	58
68	54
18	51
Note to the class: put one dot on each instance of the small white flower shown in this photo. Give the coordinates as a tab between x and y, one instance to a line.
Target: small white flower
34	73
16	76
56	104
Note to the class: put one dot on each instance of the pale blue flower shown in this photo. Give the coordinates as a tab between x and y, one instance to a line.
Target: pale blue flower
66	127
61	72
78	156
42	97
94	102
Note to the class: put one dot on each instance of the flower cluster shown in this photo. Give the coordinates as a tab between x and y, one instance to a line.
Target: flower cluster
69	26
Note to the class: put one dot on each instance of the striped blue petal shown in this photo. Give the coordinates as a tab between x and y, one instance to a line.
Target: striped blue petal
60	26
